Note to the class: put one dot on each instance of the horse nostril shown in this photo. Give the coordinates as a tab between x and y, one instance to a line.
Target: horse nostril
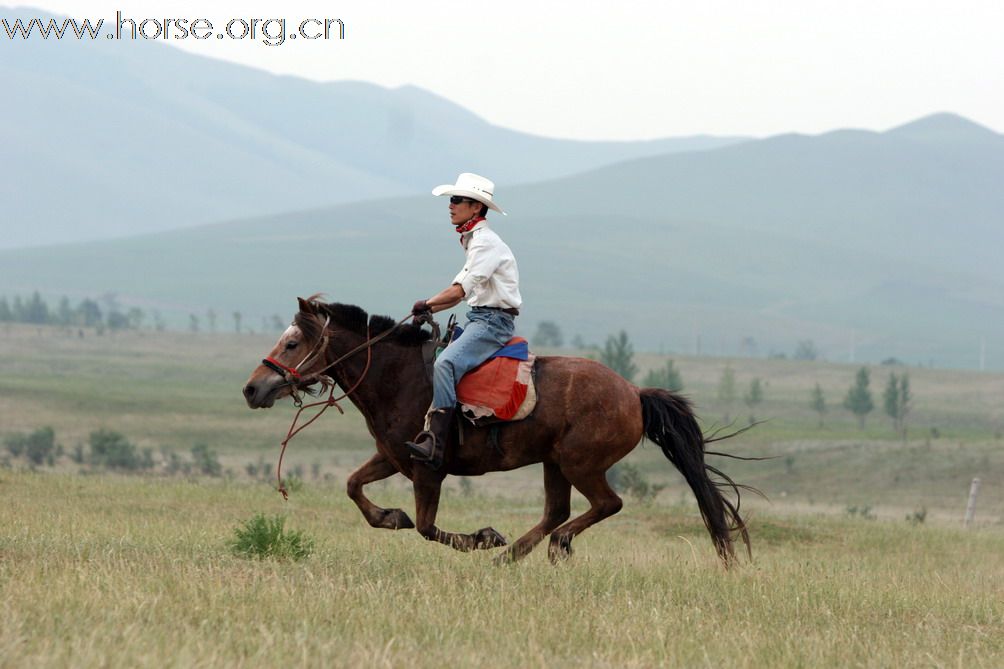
249	391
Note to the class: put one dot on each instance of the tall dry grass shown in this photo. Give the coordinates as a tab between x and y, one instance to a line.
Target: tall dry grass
110	571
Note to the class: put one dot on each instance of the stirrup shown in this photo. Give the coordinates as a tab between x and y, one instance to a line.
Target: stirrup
431	457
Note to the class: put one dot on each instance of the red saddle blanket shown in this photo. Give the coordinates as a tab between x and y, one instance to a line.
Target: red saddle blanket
498	388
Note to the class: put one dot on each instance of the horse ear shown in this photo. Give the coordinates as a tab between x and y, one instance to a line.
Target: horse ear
305	306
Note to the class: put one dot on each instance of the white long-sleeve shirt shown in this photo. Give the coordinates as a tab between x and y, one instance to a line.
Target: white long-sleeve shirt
490	277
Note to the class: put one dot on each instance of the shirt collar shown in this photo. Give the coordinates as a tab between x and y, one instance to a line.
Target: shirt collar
466	236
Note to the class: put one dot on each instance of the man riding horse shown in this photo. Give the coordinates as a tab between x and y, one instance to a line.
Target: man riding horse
588	417
489	282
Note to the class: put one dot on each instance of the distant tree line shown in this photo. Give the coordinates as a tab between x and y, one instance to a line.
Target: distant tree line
107	449
897	400
86	313
106	314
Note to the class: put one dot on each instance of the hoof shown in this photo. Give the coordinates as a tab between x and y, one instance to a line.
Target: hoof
395	519
505	558
488	538
559	549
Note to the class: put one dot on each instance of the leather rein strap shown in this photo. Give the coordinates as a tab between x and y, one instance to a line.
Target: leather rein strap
331	400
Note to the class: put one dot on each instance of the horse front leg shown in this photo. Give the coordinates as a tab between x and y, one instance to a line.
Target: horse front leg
428	485
376	468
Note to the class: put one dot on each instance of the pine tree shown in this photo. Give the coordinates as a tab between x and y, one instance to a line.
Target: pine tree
753	397
667	377
548	334
897	401
618	355
6	315
64	315
904	402
806	350
17	310
36	310
891	400
89	313
727	390
859	399
136	317
818	403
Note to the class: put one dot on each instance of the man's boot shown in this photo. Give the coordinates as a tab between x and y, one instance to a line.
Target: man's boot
430	445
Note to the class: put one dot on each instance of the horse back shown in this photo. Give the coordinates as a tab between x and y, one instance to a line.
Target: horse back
574	394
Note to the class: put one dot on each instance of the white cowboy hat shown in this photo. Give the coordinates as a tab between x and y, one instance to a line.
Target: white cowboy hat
473	186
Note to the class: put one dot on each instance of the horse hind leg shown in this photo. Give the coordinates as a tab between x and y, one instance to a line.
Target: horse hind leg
376	468
603	502
557	508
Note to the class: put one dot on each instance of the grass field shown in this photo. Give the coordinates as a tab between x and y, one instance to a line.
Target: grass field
168	391
112	570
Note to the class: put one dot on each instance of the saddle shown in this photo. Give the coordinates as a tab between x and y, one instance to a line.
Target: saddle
501	389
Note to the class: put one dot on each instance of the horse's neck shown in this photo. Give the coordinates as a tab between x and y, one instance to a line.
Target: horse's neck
391	388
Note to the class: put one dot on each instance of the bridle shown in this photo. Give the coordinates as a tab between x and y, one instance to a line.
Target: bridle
290	373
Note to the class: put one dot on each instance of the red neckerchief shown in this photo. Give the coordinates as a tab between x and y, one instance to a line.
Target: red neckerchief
468	226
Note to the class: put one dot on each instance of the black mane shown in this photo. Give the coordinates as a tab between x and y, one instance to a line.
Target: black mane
355	319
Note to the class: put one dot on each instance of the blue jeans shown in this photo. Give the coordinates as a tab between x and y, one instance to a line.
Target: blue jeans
487	331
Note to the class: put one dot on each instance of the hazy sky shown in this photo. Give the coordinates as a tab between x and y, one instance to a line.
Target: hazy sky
634	70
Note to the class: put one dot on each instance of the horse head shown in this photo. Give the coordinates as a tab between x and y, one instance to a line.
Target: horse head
293	362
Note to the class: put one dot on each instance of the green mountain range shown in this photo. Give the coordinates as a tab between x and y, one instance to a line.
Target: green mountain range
873	245
109	138
122	158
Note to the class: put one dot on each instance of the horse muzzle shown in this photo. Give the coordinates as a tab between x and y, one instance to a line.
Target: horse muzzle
260	394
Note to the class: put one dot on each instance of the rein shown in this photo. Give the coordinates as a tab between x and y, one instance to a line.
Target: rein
331	401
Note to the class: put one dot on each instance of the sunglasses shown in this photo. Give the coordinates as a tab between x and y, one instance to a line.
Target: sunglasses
459	199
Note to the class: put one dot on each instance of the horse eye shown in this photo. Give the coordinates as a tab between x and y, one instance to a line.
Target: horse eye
291	345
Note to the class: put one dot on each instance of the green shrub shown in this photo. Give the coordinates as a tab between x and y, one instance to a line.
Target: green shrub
38	447
293	483
625	477
263	537
205	460
173	464
15	444
258	470
111	449
862	511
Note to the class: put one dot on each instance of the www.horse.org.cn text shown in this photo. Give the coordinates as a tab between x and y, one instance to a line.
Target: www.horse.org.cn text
270	32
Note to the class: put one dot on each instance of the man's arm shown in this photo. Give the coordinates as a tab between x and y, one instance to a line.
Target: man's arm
445	299
483	258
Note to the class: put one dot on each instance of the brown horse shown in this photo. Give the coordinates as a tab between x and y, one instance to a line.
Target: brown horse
587	418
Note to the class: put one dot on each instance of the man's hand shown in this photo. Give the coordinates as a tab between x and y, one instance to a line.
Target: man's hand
445	299
421	312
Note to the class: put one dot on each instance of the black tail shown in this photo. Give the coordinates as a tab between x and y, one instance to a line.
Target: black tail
669	421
